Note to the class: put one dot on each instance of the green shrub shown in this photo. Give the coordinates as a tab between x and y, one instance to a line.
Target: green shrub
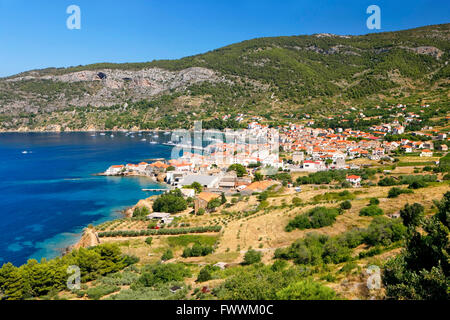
420	271
279	265
239	168
335	196
197	250
263	196
252	256
171	202
185	240
384	231
299	222
316	249
101	291
371	252
315	218
163	273
387	182
410	179
395	192
346	205
141	212
120	278
257	282
205	273
213	204
371	211
153	232
417	185
167	255
307	290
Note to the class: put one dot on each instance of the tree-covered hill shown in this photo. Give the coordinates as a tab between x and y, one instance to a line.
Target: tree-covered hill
316	73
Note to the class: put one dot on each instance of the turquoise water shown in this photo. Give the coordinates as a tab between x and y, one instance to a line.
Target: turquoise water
48	195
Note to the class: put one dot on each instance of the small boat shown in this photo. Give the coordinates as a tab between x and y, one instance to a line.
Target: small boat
153	142
143	140
112	136
103	134
166	133
24	152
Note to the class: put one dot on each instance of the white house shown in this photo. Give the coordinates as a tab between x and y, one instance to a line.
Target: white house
205	180
164	217
309	165
426	153
354	180
114	170
188	193
184	167
407	149
142	167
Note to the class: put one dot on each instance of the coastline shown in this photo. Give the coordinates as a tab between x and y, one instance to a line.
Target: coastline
89	236
75	183
82	130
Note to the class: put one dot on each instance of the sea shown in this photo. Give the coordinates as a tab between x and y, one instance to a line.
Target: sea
49	192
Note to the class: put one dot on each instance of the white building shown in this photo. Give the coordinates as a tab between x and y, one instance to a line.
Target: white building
426	153
313	166
354	180
114	170
205	180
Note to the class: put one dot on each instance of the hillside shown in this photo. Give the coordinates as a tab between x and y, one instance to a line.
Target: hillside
316	74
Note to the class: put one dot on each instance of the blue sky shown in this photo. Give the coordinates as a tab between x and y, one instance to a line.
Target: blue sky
33	34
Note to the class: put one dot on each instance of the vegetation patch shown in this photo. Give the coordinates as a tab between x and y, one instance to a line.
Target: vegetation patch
371	211
161	232
395	192
335	196
316	249
185	240
313	219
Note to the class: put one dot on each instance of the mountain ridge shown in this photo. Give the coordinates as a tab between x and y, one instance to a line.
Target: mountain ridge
294	73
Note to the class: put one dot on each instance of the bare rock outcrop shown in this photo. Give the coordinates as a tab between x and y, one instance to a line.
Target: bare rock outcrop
100	88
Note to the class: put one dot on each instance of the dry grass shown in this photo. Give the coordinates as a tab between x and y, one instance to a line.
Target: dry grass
264	231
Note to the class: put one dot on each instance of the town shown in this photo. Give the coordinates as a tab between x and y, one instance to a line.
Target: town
310	192
260	152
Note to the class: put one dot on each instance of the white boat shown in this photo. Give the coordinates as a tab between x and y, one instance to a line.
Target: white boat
24	152
143	140
103	134
153	142
166	133
112	136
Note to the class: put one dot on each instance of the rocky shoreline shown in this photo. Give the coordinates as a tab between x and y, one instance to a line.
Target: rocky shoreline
90	237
